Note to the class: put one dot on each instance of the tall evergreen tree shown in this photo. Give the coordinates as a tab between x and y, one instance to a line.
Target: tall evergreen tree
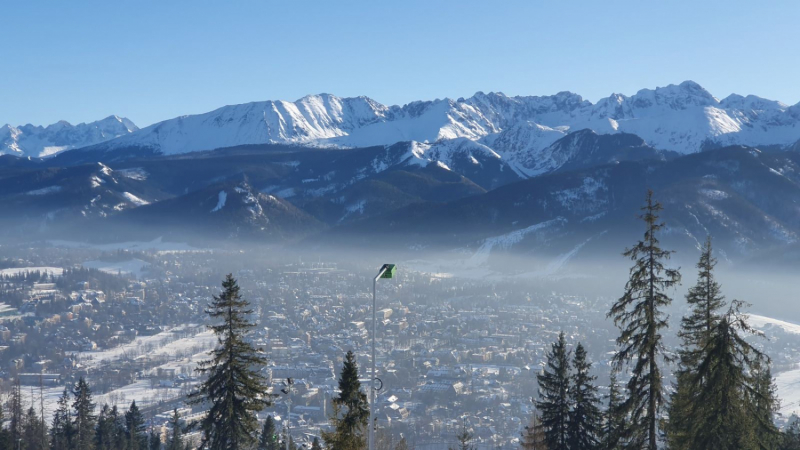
120	435
706	302
32	430
134	428
62	432
553	400
17	415
175	441
585	420
614	420
533	437
640	317
316	446
763	406
350	411
269	435
718	406
104	433
234	387
85	420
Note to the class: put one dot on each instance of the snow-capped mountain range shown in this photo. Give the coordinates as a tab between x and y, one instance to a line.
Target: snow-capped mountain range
684	118
38	141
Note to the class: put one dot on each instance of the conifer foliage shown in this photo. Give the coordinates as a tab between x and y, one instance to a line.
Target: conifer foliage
533	437
585	419
639	315
269	435
84	419
134	428
234	389
175	441
350	411
614	420
554	402
724	397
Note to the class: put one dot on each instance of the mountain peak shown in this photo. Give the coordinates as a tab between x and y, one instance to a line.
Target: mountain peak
39	141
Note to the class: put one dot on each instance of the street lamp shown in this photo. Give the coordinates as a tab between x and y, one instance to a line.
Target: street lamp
387	271
288	391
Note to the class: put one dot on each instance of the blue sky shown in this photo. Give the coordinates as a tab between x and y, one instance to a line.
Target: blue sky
150	61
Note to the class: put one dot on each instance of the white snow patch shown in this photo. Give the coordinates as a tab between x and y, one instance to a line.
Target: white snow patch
96	181
134	173
508	240
286	193
131	266
221	199
45	190
714	194
134	199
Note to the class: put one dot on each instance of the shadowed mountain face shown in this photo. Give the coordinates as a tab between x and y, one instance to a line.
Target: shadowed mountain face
745	198
455	195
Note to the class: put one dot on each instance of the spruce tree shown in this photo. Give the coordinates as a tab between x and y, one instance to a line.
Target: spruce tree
104	434
706	302
32	431
553	400
62	432
175	441
614	420
718	415
85	420
315	444
269	435
402	444
640	317
763	405
134	428
235	389
585	419
350	411
533	437
120	435
17	415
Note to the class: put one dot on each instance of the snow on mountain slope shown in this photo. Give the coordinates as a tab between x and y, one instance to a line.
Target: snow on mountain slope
521	144
682	118
38	141
310	120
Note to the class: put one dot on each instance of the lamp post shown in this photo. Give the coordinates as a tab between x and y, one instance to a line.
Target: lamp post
387	271
288	391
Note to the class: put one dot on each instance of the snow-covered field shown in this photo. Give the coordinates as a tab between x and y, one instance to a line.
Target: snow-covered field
164	343
183	354
131	266
787	382
763	322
